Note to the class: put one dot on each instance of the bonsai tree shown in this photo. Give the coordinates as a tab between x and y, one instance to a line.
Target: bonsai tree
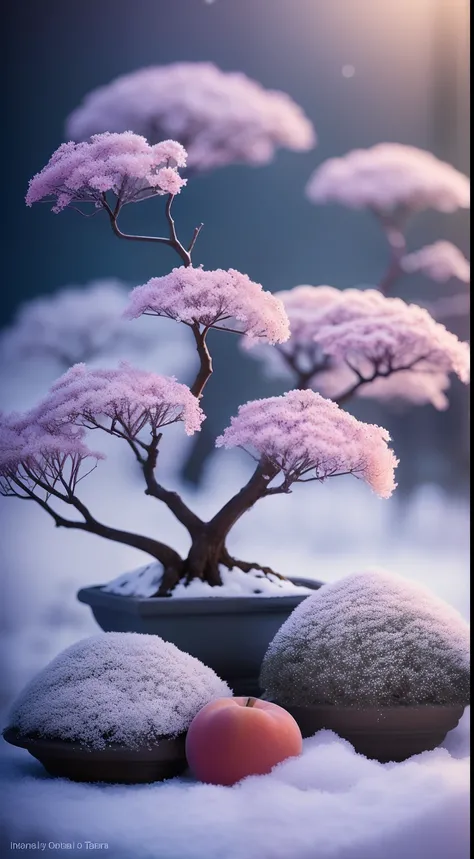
219	117
116	687
370	639
296	438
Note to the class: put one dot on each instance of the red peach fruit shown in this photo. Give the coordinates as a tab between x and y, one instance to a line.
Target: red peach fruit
231	738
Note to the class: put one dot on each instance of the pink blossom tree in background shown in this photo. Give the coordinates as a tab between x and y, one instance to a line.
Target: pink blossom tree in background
86	323
76	324
394	182
296	438
220	117
442	262
363	342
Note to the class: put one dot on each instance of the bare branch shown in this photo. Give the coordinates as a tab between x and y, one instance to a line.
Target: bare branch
256	488
205	368
393	228
377	374
172	241
173	500
160	551
197	230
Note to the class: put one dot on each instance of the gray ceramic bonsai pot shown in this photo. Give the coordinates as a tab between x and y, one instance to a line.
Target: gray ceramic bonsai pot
229	634
114	764
382	733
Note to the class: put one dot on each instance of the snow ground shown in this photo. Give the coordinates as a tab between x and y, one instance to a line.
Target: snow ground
328	804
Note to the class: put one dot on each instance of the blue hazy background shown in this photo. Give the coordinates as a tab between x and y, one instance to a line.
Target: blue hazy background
410	84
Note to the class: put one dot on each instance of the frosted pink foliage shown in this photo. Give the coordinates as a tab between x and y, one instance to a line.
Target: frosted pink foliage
300	353
213	299
302	433
75	324
370	639
116	687
220	117
373	334
129	398
123	164
387	177
407	386
440	261
403	387
29	454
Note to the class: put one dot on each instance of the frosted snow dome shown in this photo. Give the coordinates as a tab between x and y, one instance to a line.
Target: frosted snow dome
370	639
116	687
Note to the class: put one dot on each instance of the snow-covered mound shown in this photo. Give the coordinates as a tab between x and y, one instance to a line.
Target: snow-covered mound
116	688
145	581
372	638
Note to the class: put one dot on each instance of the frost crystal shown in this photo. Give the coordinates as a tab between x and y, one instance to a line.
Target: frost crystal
387	177
440	261
214	299
220	117
369	639
116	687
123	164
308	437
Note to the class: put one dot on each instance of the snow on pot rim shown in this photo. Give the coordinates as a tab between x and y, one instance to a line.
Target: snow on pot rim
120	688
370	639
145	581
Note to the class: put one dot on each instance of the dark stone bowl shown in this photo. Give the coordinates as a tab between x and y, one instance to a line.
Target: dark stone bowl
382	733
114	764
229	634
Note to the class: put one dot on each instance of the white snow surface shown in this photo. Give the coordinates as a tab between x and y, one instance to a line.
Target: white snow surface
370	638
145	582
116	687
330	803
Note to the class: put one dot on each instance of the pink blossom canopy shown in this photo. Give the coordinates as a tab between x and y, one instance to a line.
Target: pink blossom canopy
388	177
220	117
31	456
368	330
214	299
299	353
130	398
440	261
339	337
304	434
123	164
